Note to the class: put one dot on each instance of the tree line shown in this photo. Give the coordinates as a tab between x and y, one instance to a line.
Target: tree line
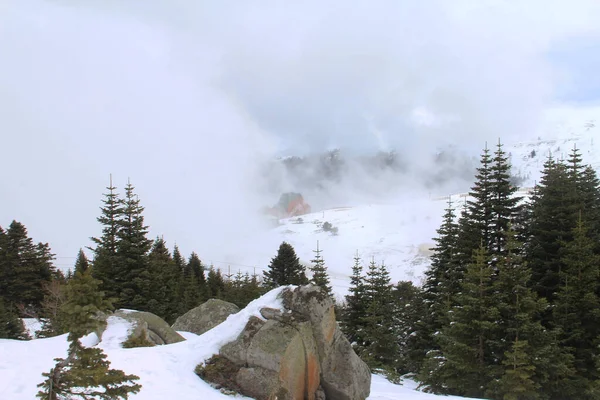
510	307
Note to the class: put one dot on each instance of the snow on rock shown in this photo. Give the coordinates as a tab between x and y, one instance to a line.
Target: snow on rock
166	372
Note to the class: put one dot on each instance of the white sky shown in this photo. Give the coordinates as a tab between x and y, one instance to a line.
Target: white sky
184	97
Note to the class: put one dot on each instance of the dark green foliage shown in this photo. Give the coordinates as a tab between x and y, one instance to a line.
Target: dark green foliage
86	374
440	287
466	342
11	326
409	310
352	323
81	264
83	302
215	284
242	289
24	268
319	272
105	263
285	268
554	215
380	348
52	320
137	341
133	277
577	308
164	284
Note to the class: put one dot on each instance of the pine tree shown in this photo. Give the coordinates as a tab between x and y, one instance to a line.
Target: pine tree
285	268
25	268
522	344
380	340
577	308
504	203
105	262
11	326
442	282
354	310
553	218
81	264
132	276
319	272
165	279
85	373
215	284
408	311
465	342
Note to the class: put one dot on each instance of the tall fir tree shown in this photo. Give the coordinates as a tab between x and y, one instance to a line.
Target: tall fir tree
285	268
553	217
132	277
81	263
165	280
442	283
11	326
24	268
319	272
466	350
105	261
352	323
576	311
380	348
85	373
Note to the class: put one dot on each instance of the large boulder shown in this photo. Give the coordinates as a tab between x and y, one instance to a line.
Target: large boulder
146	328
205	317
297	353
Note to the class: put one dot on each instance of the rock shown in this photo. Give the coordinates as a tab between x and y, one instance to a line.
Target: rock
236	351
298	353
205	317
271	313
154	328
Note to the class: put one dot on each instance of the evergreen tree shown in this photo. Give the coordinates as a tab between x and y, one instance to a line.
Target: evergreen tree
465	344
197	269
85	373
11	326
408	311
553	217
442	282
105	261
285	268
165	280
215	284
133	277
380	340
577	309
319	272
24	268
81	264
355	307
504	203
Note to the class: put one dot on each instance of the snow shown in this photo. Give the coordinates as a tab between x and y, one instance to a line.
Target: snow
165	371
400	231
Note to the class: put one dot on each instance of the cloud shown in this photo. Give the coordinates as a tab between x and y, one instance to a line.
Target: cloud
187	98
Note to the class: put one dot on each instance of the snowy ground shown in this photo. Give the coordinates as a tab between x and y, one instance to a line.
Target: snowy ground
399	231
166	372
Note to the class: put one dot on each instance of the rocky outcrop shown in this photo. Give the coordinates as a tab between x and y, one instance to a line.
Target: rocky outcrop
148	327
297	353
205	317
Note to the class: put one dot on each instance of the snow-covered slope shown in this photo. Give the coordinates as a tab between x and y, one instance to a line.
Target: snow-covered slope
400	231
166	372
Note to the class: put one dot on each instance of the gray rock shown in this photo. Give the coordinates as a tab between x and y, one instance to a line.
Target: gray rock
205	317
299	353
156	330
236	351
271	313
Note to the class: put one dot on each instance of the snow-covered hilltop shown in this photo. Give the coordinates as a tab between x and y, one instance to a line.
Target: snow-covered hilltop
399	231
